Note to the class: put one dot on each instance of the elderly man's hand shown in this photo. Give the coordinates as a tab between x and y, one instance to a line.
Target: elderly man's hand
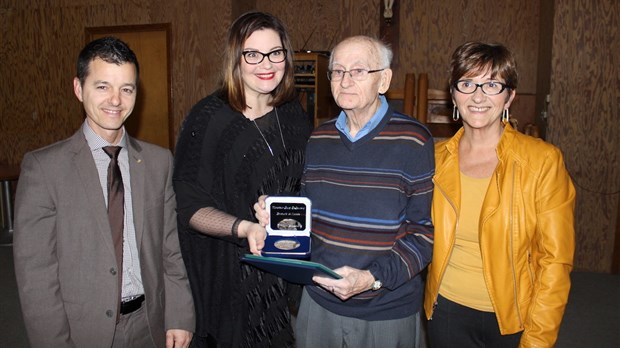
353	282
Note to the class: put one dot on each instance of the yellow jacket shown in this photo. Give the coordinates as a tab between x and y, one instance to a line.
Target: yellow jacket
526	234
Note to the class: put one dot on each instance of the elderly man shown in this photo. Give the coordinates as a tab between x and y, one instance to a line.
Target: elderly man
368	174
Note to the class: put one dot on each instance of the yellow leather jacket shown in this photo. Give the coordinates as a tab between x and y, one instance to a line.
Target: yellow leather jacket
526	234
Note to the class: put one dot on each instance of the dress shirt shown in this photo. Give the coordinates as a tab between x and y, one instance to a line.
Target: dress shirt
132	278
341	122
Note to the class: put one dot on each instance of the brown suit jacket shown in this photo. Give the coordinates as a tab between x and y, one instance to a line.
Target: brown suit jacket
64	256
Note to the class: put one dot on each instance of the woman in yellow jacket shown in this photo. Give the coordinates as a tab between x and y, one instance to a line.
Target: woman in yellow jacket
503	215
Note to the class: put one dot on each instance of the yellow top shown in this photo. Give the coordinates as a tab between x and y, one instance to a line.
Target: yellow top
463	281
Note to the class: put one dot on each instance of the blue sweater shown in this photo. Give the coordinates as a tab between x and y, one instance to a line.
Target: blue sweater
371	202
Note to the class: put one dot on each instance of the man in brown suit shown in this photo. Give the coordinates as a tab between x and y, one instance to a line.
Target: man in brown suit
70	285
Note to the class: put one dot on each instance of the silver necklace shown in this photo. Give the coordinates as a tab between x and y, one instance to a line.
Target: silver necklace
263	136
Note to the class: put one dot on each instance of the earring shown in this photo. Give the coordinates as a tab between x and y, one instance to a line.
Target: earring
505	116
455	114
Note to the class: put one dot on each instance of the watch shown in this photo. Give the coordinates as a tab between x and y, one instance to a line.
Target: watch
376	285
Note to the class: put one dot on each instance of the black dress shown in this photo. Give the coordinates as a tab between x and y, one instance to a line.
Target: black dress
223	161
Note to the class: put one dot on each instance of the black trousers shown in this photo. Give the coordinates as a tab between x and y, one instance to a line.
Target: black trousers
203	342
455	325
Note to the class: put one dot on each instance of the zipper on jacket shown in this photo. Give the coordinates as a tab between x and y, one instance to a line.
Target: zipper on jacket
480	228
512	260
443	270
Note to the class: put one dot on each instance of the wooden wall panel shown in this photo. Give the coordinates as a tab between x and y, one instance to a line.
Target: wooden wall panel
364	17
199	31
323	23
431	30
583	119
317	28
36	85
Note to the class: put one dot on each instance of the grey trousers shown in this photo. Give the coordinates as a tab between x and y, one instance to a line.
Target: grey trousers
132	330
318	327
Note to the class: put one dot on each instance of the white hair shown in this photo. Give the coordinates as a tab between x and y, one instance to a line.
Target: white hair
383	51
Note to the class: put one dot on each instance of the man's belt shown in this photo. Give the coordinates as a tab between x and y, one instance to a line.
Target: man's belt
132	305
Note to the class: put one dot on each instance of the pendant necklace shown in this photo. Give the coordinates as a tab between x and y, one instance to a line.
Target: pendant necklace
265	139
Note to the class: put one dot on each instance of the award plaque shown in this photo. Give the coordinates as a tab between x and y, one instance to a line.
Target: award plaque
294	271
288	230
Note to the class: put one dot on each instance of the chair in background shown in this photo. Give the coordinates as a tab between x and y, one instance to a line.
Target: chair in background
9	173
405	94
434	108
532	129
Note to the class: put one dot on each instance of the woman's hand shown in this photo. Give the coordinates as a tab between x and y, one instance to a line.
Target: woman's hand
261	214
255	234
353	282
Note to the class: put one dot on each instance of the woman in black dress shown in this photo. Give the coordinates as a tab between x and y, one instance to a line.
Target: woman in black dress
244	140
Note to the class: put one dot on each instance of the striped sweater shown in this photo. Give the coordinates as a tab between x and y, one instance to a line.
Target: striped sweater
371	203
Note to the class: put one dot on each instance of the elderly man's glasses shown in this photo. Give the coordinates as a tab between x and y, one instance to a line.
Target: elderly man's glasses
488	88
356	74
255	57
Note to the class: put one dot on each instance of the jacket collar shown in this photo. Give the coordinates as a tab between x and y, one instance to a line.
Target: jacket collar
505	142
447	175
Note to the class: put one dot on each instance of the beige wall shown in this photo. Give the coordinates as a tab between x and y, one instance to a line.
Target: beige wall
41	39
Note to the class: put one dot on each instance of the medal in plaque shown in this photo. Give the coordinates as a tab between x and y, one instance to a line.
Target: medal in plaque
288	231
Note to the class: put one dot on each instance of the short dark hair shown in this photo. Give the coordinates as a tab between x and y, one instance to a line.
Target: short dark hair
240	30
109	49
478	57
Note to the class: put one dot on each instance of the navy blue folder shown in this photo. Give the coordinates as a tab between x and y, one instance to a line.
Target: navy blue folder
291	270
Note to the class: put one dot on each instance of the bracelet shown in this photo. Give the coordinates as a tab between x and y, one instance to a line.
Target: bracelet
235	228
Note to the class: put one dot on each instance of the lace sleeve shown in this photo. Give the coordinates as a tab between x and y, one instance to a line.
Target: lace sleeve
215	222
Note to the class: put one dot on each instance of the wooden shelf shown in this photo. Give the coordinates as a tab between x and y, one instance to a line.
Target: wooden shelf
313	86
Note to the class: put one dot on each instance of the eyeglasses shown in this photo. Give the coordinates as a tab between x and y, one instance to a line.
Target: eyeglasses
488	88
255	57
356	74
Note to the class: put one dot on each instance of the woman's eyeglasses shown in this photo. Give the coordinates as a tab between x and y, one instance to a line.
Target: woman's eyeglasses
488	88
256	57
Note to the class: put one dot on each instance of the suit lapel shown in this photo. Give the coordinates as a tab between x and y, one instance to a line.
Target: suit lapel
88	177
138	180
